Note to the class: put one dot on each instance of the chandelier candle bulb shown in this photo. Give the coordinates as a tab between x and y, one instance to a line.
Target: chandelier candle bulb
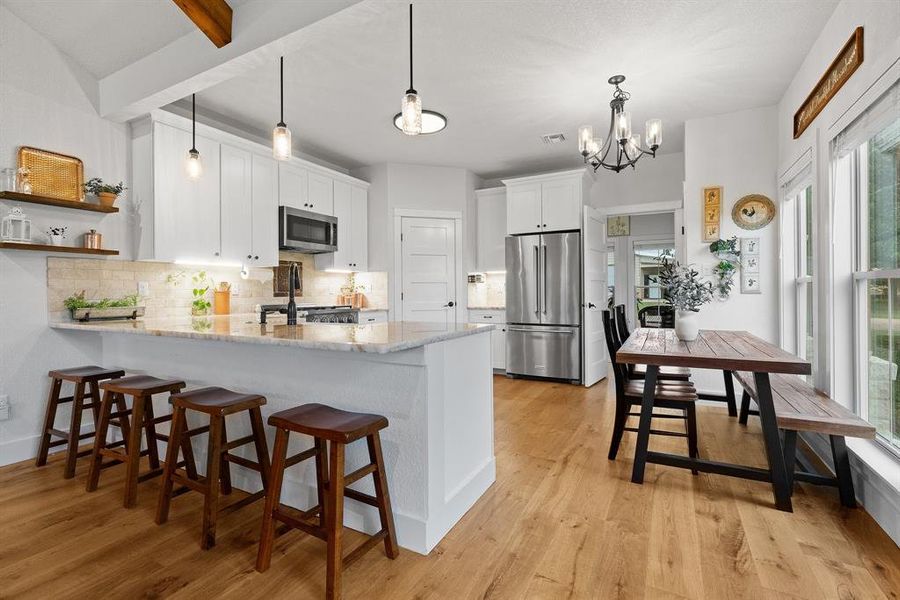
623	126
633	147
653	130
585	139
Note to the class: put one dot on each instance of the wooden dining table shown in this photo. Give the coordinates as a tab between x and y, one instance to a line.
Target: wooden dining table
719	350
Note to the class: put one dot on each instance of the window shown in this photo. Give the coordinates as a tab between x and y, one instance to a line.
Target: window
801	218
611	276
651	308
868	156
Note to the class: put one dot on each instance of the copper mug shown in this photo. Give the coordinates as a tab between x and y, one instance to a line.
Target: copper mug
93	240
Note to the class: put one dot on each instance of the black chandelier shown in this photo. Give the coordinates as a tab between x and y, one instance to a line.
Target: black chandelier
628	148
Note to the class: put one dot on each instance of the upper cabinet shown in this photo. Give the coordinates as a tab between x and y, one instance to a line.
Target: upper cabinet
229	215
544	203
491	229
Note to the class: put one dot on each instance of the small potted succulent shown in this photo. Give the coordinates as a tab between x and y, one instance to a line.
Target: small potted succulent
106	194
56	235
687	293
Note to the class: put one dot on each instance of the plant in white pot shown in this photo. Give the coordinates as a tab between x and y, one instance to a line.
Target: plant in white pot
687	293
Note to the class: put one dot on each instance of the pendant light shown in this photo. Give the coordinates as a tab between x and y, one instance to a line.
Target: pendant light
193	165
412	119
281	135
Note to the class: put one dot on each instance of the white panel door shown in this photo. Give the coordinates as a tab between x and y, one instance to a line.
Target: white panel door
237	210
359	228
321	194
561	204
594	264
523	208
428	263
186	211
264	175
293	186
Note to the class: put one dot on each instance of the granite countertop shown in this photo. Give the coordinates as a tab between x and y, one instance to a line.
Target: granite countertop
379	338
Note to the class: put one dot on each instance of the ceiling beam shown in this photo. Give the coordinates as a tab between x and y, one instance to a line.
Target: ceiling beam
266	30
212	17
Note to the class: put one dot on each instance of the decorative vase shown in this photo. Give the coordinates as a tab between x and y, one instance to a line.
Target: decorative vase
56	240
687	326
107	198
222	302
199	312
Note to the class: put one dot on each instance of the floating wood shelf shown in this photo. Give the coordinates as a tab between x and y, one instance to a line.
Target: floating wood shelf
31	198
49	248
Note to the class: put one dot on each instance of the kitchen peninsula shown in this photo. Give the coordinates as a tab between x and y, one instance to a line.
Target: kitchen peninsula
433	383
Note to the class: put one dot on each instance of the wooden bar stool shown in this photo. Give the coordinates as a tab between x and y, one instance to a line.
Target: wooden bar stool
141	388
326	424
217	403
82	377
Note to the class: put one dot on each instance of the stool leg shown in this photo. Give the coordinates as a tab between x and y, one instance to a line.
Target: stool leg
49	421
94	395
175	440
322	479
74	431
102	428
335	526
224	468
273	497
133	451
381	493
150	432
211	503
122	407
262	449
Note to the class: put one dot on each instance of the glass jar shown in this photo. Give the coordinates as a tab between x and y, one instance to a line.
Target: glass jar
8	180
23	185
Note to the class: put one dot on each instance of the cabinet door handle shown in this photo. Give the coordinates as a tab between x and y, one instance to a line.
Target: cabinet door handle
215	253
249	256
487	317
255	258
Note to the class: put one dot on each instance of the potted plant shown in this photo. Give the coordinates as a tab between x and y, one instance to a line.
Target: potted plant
106	194
200	305
724	272
687	293
125	307
56	235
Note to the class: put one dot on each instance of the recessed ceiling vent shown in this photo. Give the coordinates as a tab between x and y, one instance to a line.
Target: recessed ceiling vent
553	138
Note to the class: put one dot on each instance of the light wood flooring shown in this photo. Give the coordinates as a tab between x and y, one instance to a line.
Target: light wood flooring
561	521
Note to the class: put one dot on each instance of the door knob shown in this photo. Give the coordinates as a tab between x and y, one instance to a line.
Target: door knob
591	305
450	304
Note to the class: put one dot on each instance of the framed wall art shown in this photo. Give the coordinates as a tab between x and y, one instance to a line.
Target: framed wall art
750	270
712	212
753	211
618	226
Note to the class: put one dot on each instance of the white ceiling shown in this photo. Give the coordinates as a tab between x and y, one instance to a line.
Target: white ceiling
105	35
504	72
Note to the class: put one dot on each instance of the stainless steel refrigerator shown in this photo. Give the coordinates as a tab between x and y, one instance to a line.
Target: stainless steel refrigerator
543	305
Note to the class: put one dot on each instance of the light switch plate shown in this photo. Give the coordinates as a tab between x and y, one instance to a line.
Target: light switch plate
143	288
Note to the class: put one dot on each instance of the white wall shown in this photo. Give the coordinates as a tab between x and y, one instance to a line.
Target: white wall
43	104
738	152
420	187
653	180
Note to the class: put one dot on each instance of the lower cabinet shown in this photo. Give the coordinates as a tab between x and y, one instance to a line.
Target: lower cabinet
373	316
497	318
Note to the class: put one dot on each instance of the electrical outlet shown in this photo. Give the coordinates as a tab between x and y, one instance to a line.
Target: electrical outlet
4	407
143	288
235	290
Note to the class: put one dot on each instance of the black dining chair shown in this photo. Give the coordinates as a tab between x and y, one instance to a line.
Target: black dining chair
678	395
621	333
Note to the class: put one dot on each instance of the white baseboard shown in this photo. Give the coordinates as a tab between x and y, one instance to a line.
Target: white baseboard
27	448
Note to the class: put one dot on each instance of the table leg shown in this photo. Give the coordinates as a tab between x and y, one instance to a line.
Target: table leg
643	437
729	394
774	452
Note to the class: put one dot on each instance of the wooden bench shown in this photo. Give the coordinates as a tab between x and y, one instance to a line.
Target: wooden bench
800	407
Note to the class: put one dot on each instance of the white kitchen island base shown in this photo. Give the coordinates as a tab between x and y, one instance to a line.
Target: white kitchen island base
438	398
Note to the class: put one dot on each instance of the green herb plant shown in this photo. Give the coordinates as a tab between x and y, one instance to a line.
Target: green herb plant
96	186
77	301
201	284
729	255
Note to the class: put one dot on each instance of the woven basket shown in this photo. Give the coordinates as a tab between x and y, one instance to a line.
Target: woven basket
52	174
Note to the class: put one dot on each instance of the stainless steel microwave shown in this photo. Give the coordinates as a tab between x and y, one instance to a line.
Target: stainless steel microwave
304	231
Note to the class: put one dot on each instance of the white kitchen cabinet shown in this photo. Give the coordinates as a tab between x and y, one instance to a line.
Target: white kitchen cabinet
321	194
351	210
491	229
545	203
237	205
264	195
523	208
498	334
184	221
373	316
293	186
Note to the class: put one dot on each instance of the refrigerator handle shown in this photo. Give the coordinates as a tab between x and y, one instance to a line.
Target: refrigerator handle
537	281
544	276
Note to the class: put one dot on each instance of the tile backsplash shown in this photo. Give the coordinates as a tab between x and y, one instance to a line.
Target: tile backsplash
170	284
491	293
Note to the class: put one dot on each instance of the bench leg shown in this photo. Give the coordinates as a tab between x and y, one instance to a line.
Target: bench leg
842	470
774	453
729	394
790	456
745	408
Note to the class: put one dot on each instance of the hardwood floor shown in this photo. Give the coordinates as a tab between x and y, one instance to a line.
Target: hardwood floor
561	521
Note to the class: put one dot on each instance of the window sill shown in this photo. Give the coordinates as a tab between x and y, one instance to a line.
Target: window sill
879	461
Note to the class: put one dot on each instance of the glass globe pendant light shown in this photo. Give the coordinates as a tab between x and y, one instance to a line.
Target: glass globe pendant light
412	119
193	165
281	135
